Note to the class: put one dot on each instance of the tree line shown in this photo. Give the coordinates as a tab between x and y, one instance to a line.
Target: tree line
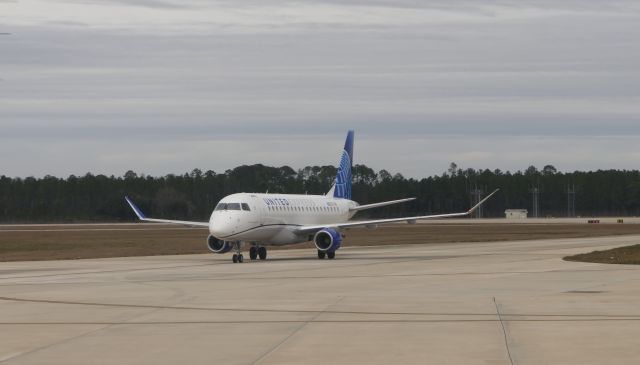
192	196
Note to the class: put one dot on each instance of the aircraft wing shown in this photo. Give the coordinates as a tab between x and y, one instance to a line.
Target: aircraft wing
373	223
382	204
142	217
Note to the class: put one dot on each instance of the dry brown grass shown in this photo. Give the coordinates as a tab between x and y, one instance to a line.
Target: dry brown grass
622	255
94	241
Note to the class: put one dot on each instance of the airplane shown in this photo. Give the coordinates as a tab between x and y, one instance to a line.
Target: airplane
285	219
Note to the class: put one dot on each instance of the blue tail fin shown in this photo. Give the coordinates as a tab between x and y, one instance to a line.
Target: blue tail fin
342	186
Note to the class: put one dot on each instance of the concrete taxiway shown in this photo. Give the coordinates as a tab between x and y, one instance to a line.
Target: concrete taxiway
466	303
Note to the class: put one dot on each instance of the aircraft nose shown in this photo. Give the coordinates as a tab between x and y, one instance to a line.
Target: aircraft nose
220	225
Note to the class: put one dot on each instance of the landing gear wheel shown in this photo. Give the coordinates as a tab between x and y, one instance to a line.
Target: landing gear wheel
235	258
262	252
331	255
240	258
253	253
321	254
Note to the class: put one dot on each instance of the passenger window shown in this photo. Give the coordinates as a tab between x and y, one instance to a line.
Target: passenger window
245	206
233	206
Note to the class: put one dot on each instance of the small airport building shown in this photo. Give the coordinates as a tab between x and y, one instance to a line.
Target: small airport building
516	213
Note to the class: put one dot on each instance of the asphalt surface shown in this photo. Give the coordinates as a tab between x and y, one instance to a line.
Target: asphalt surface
512	302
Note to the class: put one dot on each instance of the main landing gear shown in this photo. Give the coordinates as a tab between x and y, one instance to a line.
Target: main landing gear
255	252
258	252
329	254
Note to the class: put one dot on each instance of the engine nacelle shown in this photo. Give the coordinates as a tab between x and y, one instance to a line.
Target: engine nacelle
218	246
327	240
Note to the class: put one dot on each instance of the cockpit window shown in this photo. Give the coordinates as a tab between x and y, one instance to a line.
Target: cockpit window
231	206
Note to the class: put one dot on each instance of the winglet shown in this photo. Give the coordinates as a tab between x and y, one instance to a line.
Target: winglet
136	210
481	202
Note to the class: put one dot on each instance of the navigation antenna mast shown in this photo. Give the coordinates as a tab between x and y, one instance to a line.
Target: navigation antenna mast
535	198
571	200
476	197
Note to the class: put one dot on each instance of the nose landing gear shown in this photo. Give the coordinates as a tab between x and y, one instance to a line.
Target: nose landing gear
237	257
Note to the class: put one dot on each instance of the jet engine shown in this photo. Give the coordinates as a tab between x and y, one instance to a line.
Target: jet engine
218	246
327	240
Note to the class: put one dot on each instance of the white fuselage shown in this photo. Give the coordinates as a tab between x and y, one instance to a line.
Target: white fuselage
274	218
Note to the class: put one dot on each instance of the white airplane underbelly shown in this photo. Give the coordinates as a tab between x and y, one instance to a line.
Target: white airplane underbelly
279	231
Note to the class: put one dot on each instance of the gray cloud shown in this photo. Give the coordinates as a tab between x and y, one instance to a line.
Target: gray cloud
141	3
165	86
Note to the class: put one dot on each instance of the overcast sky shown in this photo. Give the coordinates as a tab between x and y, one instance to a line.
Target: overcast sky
164	86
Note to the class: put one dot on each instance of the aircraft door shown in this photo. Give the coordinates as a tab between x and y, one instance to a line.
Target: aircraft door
256	210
